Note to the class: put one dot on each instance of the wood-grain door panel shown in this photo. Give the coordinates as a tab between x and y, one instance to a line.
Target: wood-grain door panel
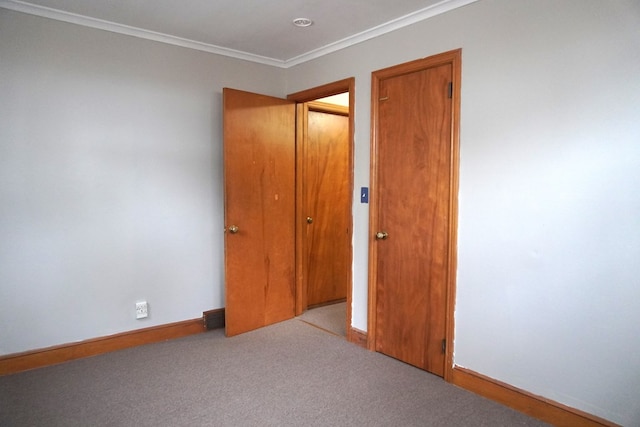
412	202
327	204
259	184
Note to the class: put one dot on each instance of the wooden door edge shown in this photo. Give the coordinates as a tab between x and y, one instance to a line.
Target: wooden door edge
452	256
373	214
453	57
341	86
300	260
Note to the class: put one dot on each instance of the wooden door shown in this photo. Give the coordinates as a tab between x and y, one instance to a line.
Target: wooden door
259	185
413	223
326	203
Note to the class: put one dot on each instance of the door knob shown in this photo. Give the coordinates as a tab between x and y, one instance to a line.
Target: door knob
309	220
233	229
382	235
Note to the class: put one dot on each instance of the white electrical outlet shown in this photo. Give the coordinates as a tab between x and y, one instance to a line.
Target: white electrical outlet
142	310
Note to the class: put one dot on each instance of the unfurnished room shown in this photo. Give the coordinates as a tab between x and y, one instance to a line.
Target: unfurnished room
331	213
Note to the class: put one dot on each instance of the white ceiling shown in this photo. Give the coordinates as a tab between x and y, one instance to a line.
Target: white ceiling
257	30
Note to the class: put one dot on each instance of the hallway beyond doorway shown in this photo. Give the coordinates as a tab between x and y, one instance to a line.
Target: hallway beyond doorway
328	317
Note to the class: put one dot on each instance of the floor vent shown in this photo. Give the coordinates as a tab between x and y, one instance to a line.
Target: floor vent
213	319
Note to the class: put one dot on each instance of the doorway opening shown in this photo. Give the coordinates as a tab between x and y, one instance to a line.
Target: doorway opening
276	223
324	198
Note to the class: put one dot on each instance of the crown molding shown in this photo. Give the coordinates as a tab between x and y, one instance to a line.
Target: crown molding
404	21
58	15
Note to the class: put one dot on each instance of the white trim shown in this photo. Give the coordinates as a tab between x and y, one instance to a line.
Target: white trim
420	15
58	15
404	21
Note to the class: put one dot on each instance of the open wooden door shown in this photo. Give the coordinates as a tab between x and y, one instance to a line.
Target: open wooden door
259	187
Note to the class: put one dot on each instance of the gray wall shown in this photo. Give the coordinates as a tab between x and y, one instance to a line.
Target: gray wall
549	221
110	180
110	185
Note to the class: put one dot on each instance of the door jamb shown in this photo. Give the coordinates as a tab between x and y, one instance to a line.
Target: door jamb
453	57
341	86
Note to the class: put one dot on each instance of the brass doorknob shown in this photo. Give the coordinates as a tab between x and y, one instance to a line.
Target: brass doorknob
309	220
233	229
382	235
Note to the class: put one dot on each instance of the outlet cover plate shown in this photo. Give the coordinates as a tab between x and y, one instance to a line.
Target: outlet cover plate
142	310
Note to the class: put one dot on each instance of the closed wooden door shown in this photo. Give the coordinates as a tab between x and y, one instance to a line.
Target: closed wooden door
412	233
326	203
259	185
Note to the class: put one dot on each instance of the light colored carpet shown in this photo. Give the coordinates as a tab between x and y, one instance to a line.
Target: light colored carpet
332	318
288	374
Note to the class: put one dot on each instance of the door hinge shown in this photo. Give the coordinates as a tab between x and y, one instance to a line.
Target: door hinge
450	90
444	346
